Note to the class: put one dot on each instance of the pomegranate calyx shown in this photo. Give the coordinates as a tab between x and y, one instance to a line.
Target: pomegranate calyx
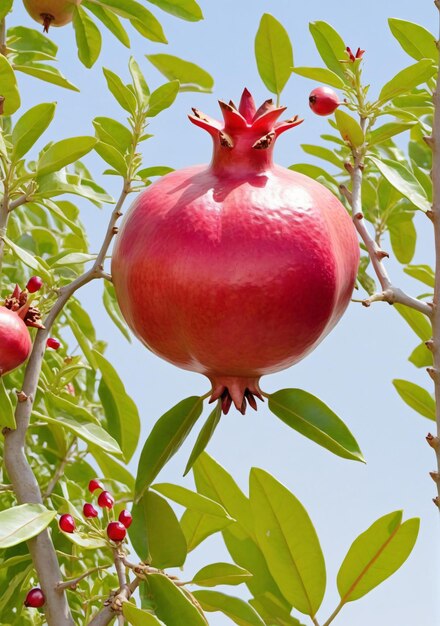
237	390
47	21
18	302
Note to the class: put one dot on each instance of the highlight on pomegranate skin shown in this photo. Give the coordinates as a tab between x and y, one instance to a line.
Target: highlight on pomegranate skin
15	341
238	268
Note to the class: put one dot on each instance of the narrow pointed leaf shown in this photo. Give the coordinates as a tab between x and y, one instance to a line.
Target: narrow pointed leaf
188	74
289	542
139	83
112	132
204	436
168	434
385	132
314	419
198	526
403	236
404	181
163	97
110	21
416	397
421	356
407	79
416	320
5	8
171	604
9	88
88	37
323	153
349	129
320	74
185	9
273	53
190	499
330	46
239	611
112	307
376	554
112	156
30	127
7	417
120	92
46	73
64	152
220	574
418	42
424	273
22	522
273	611
139	16
138	617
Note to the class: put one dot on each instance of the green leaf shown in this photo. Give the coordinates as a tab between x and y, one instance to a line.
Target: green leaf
421	356
407	79
289	542
113	132
31	261
110	21
185	9
403	236
314	419
191	76
92	433
323	153
126	411
330	46
88	37
138	617
220	574
239	611
198	526
418	42
63	153
84	540
314	171
386	131
163	97
273	53
4	10
416	320
47	73
22	522
416	397
402	179
204	436
321	75
376	554
7	417
139	83
30	39
112	308
168	434
171	604
140	17
423	273
191	499
30	127
158	170
120	92
156	533
349	129
110	467
8	87
112	156
273	611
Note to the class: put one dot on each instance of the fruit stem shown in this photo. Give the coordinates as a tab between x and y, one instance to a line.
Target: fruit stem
435	174
3	37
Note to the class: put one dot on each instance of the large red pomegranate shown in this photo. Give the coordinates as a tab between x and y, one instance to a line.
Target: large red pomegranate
51	12
238	268
15	341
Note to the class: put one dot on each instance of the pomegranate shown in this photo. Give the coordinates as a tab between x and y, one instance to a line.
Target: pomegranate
51	12
116	531
95	484
67	523
323	101
15	341
89	510
125	518
238	268
35	598
106	500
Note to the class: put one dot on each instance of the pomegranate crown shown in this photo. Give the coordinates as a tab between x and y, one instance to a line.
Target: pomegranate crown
246	119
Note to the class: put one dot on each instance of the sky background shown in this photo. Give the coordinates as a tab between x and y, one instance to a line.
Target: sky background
351	370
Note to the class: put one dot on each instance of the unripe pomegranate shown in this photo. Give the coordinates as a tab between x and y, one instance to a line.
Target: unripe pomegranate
51	12
15	341
53	343
34	284
35	598
238	268
125	518
116	531
89	510
95	484
106	500
323	101
67	523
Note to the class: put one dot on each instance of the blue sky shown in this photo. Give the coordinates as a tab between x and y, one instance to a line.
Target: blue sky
352	369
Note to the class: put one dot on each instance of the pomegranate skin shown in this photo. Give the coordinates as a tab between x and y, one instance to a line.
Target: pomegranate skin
323	101
51	12
236	269
15	341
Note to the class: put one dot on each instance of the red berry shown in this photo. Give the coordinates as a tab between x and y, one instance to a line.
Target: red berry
34	284
35	598
125	518
116	531
94	484
323	101
53	343
106	500
67	523
89	510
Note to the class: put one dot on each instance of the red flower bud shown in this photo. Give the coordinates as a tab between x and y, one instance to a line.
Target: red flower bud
125	518
53	343
94	484
35	598
67	523
116	531
350	54
89	510
34	284
106	500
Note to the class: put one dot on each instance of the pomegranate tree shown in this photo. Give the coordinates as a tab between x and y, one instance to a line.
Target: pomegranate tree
238	268
51	12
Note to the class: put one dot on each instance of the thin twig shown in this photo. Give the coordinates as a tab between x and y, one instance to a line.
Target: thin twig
334	614
3	37
73	582
60	471
114	604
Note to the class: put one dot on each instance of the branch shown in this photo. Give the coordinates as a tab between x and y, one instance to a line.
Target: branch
114	604
435	173
73	582
20	473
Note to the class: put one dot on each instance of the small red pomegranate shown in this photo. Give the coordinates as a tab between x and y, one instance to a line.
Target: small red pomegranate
95	484
15	341
323	101
89	510
35	598
106	500
238	268
116	531
51	12
125	518
67	523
